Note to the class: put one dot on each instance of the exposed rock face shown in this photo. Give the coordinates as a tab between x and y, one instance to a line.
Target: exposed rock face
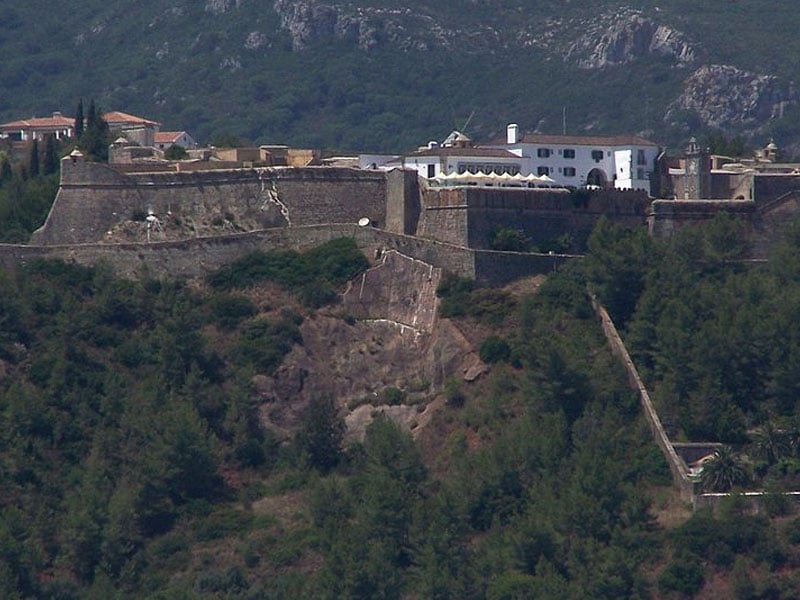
724	96
625	37
309	22
397	342
218	7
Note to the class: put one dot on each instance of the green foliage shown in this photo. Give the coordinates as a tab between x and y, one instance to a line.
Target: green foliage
495	349
454	395
724	471
322	434
454	292
176	152
230	310
508	239
393	396
314	273
683	575
96	137
263	343
24	205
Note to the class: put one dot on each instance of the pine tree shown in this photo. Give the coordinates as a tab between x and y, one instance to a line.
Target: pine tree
33	162
79	120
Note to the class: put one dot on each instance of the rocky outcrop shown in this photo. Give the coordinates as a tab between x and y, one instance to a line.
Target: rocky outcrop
309	22
624	37
218	7
723	96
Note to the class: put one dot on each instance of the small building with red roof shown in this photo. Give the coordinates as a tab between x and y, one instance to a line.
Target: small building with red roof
37	128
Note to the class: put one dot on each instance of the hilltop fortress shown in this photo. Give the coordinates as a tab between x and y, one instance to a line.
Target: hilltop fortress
184	222
187	223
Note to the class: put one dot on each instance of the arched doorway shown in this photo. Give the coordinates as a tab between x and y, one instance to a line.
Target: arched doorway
596	177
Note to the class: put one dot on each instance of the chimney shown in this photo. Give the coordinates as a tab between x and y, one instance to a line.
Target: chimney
57	114
512	134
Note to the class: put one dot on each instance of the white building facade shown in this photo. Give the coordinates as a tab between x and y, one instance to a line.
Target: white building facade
621	162
438	161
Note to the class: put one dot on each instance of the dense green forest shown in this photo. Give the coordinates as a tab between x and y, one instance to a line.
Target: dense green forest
133	462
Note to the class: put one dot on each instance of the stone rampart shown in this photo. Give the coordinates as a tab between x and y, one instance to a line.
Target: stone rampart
469	215
666	217
197	257
93	198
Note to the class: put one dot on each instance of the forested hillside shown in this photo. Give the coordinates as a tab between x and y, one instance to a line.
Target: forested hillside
371	75
135	464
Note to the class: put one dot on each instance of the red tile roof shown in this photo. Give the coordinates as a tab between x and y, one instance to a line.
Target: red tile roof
166	137
40	122
120	118
581	140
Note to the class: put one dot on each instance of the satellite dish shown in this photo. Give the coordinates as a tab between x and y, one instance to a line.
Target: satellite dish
363	221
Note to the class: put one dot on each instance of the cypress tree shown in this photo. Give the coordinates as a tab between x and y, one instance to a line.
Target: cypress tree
79	120
91	116
50	158
33	162
5	168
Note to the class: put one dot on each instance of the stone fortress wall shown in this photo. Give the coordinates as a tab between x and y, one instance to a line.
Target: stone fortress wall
93	198
468	216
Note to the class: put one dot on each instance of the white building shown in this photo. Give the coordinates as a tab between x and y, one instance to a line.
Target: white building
436	161
622	162
164	140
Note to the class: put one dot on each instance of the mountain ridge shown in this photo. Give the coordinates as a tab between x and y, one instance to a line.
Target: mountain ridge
375	76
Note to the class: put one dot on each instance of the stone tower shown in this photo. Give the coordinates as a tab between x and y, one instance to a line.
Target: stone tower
697	173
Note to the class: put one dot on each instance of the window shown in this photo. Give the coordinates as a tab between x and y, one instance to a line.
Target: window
640	174
542	171
597	155
543	152
569	171
431	171
569	153
640	159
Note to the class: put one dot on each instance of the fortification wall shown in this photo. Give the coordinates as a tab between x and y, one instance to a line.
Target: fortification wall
469	216
94	198
199	256
668	216
443	215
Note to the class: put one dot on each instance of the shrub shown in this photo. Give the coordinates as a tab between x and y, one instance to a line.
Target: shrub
683	575
455	294
495	349
314	274
230	310
509	240
490	306
393	396
263	343
453	394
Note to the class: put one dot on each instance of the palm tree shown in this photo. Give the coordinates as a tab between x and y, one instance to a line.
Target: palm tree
724	471
771	444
